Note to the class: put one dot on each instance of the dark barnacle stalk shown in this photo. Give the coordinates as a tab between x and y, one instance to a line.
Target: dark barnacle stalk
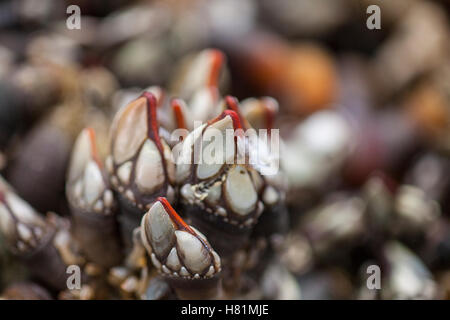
92	204
140	164
181	254
42	244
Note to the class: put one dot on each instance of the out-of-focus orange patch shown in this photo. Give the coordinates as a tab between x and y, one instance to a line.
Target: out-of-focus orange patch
302	77
309	79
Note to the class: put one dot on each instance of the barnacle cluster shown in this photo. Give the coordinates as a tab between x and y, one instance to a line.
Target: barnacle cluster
123	216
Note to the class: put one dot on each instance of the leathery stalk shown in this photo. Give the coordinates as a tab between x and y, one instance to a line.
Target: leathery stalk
140	163
92	204
181	253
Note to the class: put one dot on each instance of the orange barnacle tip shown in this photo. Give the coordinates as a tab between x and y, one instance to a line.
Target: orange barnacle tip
141	161
180	224
177	107
217	59
94	150
214	92
271	109
232	103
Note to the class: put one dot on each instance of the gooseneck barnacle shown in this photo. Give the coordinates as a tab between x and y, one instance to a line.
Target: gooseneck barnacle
180	252
140	164
92	203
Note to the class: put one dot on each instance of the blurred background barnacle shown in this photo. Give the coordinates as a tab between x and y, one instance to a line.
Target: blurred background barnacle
87	175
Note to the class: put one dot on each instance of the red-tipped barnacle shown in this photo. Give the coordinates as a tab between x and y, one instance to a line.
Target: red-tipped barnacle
180	252
181	114
218	192
140	165
92	203
204	70
203	106
274	220
176	248
231	103
32	238
198	83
